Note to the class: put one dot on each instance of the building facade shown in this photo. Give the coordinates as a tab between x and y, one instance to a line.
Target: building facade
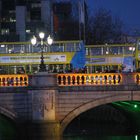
20	19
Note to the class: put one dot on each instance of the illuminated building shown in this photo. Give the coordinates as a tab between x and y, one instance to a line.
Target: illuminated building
20	19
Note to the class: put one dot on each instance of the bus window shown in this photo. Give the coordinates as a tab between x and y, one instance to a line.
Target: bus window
20	70
17	49
113	50
54	48
128	50
78	46
105	50
96	51
70	47
3	48
36	49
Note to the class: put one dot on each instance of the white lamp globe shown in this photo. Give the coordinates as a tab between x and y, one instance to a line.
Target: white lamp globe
33	40
49	40
41	35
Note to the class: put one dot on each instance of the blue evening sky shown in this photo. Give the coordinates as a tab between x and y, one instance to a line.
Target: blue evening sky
127	10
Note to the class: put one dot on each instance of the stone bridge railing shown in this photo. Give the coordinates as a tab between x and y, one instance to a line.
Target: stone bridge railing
14	80
76	79
89	79
98	79
46	103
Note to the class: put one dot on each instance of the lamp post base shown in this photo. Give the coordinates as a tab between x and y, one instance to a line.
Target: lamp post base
42	68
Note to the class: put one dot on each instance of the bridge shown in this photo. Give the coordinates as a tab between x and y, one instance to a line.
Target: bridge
43	104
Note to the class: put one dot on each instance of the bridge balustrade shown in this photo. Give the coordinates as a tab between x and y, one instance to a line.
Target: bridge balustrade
13	80
89	79
137	78
75	79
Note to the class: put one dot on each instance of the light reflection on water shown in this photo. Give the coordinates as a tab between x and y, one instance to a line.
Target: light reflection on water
134	137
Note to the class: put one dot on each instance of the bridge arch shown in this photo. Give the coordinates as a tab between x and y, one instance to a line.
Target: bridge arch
7	113
94	103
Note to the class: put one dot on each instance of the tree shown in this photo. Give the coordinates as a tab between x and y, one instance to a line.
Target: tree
103	28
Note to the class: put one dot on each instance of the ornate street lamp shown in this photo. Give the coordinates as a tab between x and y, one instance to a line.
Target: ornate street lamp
42	66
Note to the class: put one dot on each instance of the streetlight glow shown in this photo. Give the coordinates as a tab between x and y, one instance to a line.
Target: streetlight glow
42	45
33	40
41	35
49	40
135	106
131	48
136	137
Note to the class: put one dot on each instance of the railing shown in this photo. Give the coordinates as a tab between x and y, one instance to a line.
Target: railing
89	79
137	78
75	79
14	80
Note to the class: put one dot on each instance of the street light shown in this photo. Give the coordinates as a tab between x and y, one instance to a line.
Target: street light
42	66
132	49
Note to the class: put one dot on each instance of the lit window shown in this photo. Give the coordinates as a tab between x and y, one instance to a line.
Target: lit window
35	5
4	31
2	46
28	31
12	20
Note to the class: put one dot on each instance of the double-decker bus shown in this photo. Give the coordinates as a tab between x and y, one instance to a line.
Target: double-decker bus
137	55
22	57
112	58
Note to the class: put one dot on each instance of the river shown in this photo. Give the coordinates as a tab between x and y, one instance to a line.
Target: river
132	137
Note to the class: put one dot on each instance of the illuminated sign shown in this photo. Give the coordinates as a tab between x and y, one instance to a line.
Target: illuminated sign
106	60
32	59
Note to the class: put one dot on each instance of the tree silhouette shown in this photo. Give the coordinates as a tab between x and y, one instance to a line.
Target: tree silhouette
104	28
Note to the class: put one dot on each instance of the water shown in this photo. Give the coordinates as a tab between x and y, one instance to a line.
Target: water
7	129
132	137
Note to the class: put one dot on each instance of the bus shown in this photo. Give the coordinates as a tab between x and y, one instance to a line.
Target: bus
22	57
112	58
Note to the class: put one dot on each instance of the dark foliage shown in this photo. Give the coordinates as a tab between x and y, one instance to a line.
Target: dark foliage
104	28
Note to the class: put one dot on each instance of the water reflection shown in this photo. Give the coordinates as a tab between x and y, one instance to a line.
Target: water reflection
133	137
106	122
8	129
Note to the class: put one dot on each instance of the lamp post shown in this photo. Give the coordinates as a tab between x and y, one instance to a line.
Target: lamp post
42	66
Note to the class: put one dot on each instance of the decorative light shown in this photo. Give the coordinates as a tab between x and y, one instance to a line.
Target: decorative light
136	137
107	52
135	106
131	48
42	44
49	40
33	40
10	50
41	35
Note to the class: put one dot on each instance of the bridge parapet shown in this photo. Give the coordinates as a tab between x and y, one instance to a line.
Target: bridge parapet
69	79
89	79
14	80
43	79
51	101
98	79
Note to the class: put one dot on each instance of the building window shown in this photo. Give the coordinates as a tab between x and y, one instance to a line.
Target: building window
12	20
4	31
28	31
